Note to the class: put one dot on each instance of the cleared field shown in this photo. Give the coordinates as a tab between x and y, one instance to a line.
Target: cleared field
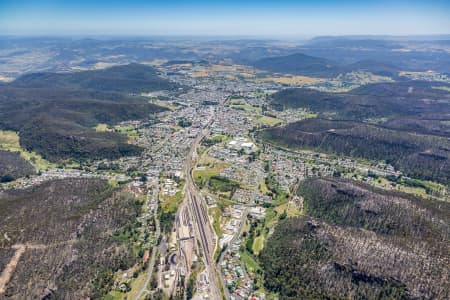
212	162
258	244
247	107
101	127
266	120
237	101
170	203
201	176
249	262
216	213
9	140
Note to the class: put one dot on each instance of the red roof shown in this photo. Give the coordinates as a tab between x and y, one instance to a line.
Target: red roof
146	255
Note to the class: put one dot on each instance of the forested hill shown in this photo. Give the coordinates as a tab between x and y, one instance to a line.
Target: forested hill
359	243
419	156
302	64
299	64
131	78
82	229
409	99
55	114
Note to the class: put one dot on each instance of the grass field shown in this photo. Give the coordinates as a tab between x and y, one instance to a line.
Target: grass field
258	244
247	107
217	215
165	104
202	176
129	130
249	261
101	127
170	203
212	163
263	187
237	101
9	140
266	120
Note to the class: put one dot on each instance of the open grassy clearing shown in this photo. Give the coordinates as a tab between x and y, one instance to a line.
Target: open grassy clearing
170	203
249	261
202	176
258	244
102	127
135	286
128	130
266	120
247	107
263	187
212	163
9	141
165	104
216	214
237	101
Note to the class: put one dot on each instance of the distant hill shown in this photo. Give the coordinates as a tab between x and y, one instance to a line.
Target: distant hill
407	53
299	64
354	42
414	99
374	67
358	242
131	78
55	113
302	64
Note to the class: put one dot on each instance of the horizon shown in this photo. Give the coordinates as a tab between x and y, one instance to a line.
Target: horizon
285	18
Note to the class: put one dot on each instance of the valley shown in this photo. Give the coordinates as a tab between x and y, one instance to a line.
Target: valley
216	171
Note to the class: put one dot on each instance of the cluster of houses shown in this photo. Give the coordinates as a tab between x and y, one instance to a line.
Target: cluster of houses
170	187
234	214
240	286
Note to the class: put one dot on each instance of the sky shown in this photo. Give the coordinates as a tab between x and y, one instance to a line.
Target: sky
226	18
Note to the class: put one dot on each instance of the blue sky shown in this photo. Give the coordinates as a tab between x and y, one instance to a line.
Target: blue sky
232	17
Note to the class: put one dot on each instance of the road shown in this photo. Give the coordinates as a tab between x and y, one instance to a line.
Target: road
236	236
151	264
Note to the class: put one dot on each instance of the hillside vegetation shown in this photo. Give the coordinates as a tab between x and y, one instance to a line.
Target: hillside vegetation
71	227
359	243
306	65
132	78
55	114
13	166
300	64
397	100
